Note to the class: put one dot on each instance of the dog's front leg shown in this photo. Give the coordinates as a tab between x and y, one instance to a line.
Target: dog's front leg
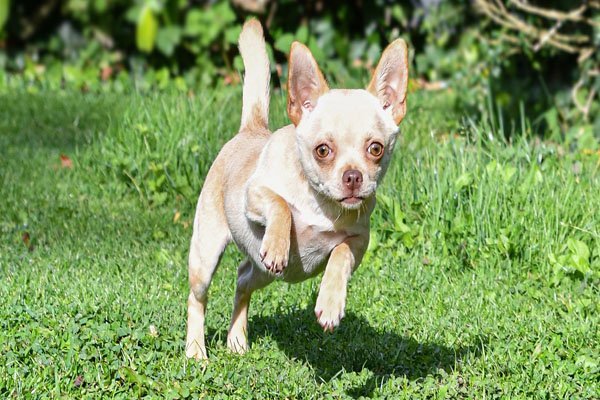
271	210
331	301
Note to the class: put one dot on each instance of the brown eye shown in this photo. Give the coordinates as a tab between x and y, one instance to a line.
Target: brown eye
322	150
375	149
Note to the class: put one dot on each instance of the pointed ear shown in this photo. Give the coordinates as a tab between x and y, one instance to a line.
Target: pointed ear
305	82
390	79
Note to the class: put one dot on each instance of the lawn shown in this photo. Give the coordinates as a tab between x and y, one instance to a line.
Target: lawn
481	281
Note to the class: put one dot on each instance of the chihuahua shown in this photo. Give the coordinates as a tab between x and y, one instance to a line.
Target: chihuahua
296	202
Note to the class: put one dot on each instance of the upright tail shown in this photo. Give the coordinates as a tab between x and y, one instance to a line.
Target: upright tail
255	108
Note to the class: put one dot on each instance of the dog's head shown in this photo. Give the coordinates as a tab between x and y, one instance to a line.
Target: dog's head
346	137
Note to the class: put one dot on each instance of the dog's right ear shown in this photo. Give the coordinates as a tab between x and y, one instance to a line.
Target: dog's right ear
305	82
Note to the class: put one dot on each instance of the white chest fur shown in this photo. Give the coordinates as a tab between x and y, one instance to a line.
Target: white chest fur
317	226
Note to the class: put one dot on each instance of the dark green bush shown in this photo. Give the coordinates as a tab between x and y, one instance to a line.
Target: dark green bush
508	55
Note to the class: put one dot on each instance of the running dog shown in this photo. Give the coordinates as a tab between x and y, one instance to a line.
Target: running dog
296	202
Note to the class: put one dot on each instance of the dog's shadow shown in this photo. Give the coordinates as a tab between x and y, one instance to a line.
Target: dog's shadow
354	347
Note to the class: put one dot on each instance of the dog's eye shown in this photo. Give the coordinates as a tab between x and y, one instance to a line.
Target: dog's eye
375	149
323	150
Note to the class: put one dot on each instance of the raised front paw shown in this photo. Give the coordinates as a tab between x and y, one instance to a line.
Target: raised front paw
274	252
330	309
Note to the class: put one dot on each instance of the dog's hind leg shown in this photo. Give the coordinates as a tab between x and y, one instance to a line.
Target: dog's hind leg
211	235
250	278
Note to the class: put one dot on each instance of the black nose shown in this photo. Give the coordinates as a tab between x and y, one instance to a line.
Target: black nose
352	179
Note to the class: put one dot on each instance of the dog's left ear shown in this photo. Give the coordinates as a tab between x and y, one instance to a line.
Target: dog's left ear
390	79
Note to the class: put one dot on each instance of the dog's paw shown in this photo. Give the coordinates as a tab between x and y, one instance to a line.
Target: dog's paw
330	309
194	350
237	342
274	253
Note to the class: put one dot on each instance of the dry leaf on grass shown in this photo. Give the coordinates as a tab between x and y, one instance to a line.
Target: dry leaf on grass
27	241
65	161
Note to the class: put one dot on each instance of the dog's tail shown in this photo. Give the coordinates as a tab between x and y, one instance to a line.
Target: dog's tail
255	108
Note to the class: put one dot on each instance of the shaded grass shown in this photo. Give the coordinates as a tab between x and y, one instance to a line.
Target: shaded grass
457	297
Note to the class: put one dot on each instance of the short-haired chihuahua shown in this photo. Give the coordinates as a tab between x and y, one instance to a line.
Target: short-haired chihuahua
297	201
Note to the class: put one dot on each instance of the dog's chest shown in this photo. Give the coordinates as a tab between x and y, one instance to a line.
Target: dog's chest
313	239
317	237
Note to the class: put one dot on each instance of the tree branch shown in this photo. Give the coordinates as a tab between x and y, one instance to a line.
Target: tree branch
573	15
498	13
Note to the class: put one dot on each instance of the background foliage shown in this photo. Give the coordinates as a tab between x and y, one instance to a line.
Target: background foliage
516	55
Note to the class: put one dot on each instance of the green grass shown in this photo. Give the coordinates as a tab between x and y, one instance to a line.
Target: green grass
482	279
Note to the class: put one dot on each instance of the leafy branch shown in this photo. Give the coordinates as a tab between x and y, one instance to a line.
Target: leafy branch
545	28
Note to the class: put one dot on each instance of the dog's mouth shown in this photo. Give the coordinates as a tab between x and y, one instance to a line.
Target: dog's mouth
351	201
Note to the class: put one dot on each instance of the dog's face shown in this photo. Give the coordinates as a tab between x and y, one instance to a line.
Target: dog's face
345	145
346	137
